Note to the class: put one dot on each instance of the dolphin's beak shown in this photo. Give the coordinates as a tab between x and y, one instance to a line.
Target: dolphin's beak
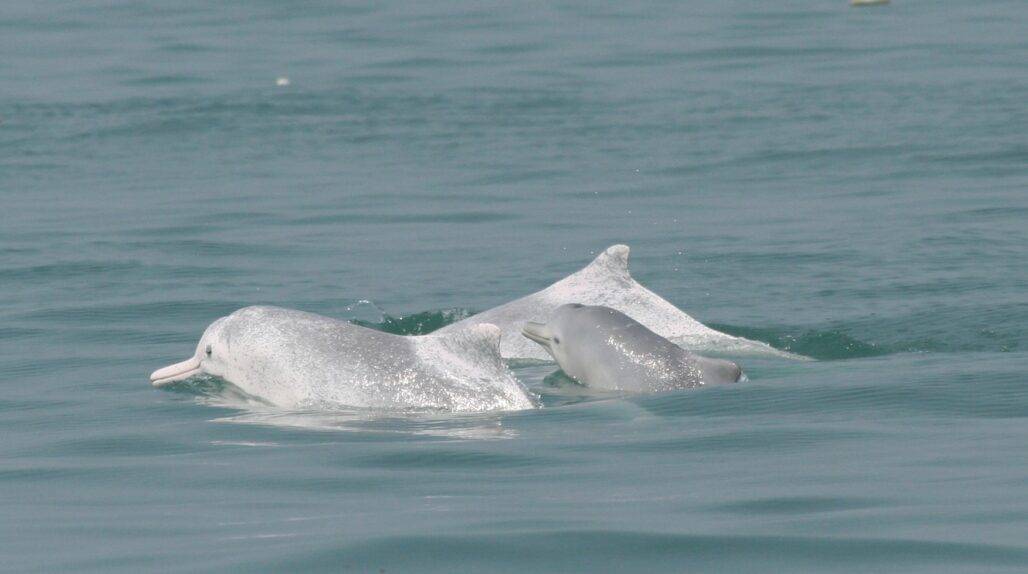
538	332
176	372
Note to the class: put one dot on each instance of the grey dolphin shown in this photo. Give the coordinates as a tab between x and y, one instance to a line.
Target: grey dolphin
299	360
603	348
607	281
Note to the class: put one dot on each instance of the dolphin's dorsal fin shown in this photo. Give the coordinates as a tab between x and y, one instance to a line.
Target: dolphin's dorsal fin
482	339
613	261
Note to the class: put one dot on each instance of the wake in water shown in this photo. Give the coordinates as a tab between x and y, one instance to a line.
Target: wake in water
412	423
216	392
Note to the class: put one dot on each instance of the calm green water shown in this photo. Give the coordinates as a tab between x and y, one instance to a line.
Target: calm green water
850	184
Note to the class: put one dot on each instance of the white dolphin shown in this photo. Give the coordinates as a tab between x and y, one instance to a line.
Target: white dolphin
299	360
606	281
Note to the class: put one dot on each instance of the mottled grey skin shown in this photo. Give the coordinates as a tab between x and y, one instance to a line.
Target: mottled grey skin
299	360
605	349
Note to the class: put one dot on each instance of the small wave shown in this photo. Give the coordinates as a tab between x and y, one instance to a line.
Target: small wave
369	424
778	440
929	387
165	80
985	328
796	505
403	219
417	323
451	460
626	550
251	410
822	345
48	272
89	314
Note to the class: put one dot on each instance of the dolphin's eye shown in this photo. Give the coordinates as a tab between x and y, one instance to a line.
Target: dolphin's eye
556	340
208	350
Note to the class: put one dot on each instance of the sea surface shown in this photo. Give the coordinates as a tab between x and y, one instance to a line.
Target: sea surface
845	183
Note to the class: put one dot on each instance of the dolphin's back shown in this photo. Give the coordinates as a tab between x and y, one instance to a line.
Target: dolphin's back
614	351
606	281
303	360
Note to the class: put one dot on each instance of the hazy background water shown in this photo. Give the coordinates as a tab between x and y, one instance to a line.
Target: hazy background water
851	184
